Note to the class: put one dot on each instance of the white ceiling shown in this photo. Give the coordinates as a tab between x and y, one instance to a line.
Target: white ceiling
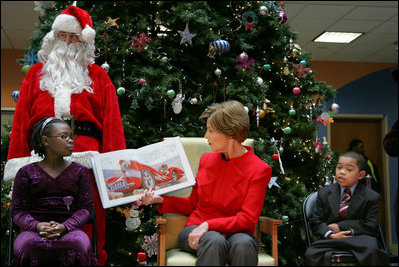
378	20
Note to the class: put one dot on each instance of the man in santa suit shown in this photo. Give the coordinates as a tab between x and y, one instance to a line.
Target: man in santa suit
66	84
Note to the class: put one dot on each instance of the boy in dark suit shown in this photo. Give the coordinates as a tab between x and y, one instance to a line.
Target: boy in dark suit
346	217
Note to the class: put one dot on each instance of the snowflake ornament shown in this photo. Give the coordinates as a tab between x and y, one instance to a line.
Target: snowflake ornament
150	244
301	70
141	41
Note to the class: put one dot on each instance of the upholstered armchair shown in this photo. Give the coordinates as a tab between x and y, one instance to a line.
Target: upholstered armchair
170	225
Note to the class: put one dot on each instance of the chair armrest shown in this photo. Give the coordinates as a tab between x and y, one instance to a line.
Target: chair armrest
161	221
269	226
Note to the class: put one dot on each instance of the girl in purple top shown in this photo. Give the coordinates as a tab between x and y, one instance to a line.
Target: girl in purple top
51	201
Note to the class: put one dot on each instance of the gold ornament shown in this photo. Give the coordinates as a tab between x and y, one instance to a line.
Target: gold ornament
267	110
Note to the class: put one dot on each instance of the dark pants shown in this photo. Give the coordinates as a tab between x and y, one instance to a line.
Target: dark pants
214	249
365	248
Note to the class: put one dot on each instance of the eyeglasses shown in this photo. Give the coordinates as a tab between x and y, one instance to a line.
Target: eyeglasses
65	137
64	36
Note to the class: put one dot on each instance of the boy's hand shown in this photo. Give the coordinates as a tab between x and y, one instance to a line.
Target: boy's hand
340	235
334	227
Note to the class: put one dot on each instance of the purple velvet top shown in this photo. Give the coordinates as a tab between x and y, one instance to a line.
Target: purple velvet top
66	199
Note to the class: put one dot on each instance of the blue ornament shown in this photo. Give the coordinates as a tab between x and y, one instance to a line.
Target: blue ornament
303	63
222	46
15	95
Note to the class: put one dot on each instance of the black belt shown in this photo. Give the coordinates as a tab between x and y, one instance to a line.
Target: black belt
83	127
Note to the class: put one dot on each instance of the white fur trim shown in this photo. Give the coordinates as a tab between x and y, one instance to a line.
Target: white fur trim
13	165
62	100
66	23
88	34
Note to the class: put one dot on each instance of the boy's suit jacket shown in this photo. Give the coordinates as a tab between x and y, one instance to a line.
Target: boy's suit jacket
362	214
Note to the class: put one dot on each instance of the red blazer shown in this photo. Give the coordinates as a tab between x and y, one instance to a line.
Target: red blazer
229	195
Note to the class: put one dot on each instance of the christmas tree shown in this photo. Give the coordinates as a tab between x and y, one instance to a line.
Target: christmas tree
169	60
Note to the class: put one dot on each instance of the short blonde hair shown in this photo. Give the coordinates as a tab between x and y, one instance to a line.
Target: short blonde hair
229	118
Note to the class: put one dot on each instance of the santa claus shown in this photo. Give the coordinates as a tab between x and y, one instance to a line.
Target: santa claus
66	84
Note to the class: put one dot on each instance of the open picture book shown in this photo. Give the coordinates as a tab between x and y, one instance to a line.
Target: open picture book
123	175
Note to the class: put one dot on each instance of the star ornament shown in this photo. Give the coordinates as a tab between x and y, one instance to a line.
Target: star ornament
186	36
273	182
112	22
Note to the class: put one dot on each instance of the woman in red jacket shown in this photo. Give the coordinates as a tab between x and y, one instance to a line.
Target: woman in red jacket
228	197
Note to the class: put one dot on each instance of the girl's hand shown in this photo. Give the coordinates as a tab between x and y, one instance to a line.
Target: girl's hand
50	230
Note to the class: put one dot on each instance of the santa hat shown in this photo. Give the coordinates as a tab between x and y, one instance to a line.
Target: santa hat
76	20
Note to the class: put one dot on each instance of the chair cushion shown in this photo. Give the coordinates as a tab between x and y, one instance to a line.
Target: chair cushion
173	227
265	260
177	257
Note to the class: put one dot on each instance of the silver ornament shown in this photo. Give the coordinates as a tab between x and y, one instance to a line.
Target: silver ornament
259	81
263	10
218	72
105	66
285	59
335	107
244	56
193	100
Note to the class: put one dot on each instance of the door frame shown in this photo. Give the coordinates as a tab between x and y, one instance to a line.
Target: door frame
385	166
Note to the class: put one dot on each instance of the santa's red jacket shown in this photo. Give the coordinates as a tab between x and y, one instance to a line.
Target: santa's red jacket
99	108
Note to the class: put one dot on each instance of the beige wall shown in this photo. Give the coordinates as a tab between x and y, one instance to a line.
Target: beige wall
338	74
11	75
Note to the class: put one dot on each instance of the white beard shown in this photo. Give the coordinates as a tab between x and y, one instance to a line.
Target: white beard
65	72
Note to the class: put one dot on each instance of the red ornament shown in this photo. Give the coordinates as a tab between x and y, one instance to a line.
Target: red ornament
328	156
296	90
275	157
141	256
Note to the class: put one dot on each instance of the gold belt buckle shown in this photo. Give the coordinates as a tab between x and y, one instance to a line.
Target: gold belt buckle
70	118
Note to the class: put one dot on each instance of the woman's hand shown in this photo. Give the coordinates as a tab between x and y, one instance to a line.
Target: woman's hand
196	234
149	198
